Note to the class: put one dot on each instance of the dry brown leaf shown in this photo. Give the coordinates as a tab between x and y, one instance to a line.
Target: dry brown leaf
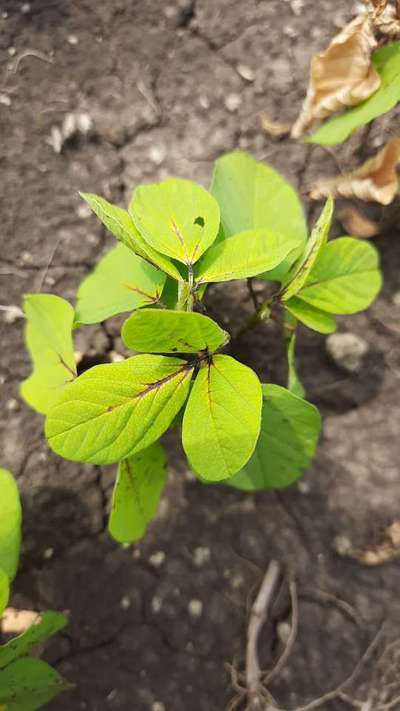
377	180
387	25
15	621
274	128
386	551
357	224
341	76
379	6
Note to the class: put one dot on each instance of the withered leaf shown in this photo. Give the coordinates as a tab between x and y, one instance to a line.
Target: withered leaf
377	180
357	224
341	76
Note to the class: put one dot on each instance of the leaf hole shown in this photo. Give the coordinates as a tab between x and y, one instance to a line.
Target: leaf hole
199	221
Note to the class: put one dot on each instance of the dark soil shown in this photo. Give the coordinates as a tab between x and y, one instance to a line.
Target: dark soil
157	79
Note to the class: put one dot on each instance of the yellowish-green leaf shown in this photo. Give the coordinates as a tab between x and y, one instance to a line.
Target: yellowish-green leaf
48	336
176	217
121	282
314	246
140	482
10	524
163	331
221	422
4	590
345	279
46	625
243	255
311	316
288	439
294	383
115	410
28	684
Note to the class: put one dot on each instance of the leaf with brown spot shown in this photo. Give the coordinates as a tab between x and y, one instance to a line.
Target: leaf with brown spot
341	76
377	180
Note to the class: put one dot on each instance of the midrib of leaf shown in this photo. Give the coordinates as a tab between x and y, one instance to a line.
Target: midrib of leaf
151	299
132	479
210	404
320	282
176	230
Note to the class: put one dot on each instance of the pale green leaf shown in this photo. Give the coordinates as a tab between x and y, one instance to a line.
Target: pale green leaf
294	383
311	316
314	246
163	331
120	224
140	482
46	626
4	590
48	336
243	255
338	129
121	282
290	428
28	684
345	279
252	195
221	422
10	523
176	217
117	409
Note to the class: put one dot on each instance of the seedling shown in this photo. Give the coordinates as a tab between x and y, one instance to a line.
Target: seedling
175	240
26	683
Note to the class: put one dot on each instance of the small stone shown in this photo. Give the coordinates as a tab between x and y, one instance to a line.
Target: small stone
201	555
116	357
157	706
12	405
297	7
26	257
49	280
156	604
4	15
204	102
25	8
12	313
48	553
283	630
195	609
303	487
12	51
5	100
342	545
83	211
396	298
245	72
157	559
125	603
232	102
237	581
112	695
73	40
347	350
157	154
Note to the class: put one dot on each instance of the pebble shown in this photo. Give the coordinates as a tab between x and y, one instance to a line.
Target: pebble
204	102
73	40
157	559
245	72
157	154
201	555
396	298
283	630
195	609
12	51
342	545
83	211
12	405
157	706
25	8
156	604
48	553
5	100
232	102
297	7
125	603
347	350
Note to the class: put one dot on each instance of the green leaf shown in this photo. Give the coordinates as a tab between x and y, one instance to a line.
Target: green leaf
10	524
4	591
122	281
28	684
243	255
115	410
294	383
290	428
48	336
309	315
47	625
387	63
140	482
162	331
120	224
345	279
176	217
314	246
222	418
253	195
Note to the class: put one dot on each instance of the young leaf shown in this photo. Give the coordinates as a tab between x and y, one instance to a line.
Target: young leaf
115	410
316	242
4	591
222	418
122	281
28	684
48	335
252	195
140	482
48	623
345	279
311	316
10	524
176	217
120	224
162	331
243	255
294	383
338	129
290	428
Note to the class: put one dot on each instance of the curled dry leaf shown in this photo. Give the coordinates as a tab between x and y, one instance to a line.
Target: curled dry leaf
357	224
378	5
341	76
16	622
387	550
377	180
275	128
